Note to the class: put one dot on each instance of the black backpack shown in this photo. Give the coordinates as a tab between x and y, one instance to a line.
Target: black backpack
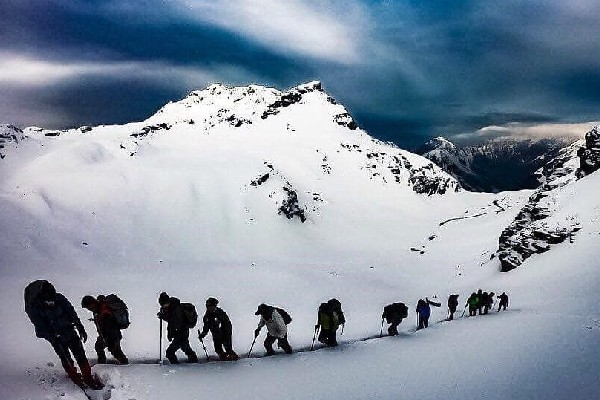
286	317
395	309
32	292
119	310
453	300
190	316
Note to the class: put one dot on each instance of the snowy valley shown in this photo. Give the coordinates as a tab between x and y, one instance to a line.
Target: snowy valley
251	195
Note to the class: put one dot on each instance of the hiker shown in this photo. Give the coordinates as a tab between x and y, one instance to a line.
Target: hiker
424	311
329	317
276	328
479	301
393	314
55	320
179	320
503	301
452	305
473	304
492	300
485	302
218	323
104	309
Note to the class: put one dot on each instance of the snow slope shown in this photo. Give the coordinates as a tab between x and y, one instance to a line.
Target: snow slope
171	204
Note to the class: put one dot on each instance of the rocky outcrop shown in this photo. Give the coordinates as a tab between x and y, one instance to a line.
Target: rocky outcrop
146	130
424	182
346	120
290	206
9	134
528	234
589	155
290	97
533	230
395	166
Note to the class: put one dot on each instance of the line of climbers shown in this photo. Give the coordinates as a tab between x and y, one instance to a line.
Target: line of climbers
56	321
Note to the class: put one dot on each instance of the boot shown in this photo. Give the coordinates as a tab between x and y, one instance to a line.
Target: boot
232	356
101	358
270	350
192	358
88	378
74	376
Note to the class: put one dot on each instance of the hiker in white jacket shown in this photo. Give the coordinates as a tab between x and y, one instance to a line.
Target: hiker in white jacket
276	328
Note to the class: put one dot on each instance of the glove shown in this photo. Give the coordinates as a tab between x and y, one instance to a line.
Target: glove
82	333
256	332
201	335
316	327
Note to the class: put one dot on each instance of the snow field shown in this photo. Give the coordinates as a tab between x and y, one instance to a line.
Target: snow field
180	215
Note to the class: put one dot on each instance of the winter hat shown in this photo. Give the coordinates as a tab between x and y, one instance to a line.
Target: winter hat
261	309
87	301
47	292
211	301
163	298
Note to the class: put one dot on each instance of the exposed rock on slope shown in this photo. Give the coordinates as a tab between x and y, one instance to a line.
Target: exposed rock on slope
9	134
535	229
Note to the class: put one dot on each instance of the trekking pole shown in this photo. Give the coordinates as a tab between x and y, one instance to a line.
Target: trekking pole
205	352
381	330
250	351
312	346
464	311
342	333
160	360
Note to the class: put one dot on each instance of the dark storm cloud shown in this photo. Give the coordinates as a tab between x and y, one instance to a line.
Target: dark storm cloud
407	70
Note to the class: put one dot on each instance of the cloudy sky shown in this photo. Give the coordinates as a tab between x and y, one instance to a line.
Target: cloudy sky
407	70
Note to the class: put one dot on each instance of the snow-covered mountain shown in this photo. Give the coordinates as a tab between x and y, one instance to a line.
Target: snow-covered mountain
496	165
252	195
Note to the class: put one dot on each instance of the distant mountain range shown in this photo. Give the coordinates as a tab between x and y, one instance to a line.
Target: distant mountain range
498	165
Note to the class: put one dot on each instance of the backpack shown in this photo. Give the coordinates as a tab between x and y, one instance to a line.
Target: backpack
391	310
190	316
286	317
403	310
453	300
119	310
32	291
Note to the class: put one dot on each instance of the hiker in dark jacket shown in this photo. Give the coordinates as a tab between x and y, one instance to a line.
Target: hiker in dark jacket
473	304
329	318
55	320
503	301
393	314
218	323
480	301
109	332
178	332
452	305
485	302
276	329
424	311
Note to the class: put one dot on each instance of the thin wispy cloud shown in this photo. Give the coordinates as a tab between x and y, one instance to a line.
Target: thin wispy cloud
330	31
564	131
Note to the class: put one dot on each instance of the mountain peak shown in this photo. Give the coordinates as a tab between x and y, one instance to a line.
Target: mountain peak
241	104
